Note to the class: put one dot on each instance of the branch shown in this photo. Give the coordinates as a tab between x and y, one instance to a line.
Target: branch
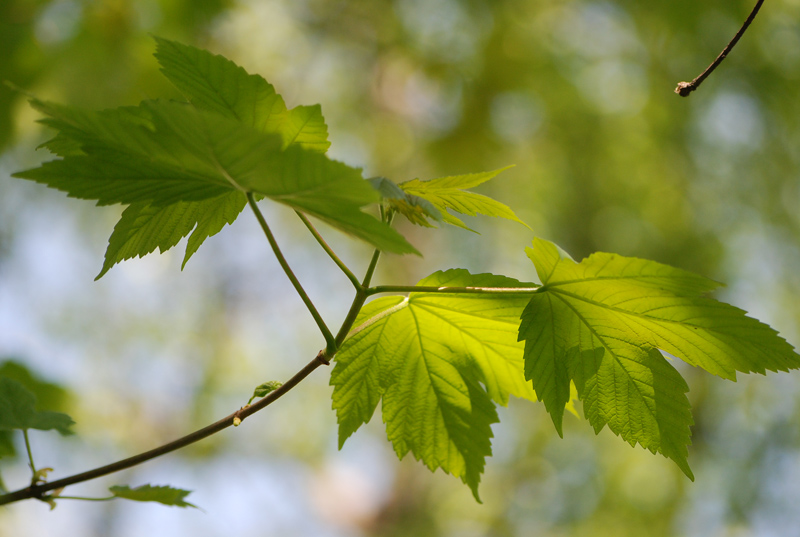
37	491
339	263
329	339
685	88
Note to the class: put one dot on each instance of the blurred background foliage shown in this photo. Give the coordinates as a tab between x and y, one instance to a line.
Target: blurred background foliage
576	93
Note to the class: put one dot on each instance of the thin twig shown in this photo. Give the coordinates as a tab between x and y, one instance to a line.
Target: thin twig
339	263
329	339
685	88
86	498
38	490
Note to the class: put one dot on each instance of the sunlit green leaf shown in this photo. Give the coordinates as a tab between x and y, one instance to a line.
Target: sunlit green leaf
148	493
451	193
437	361
417	210
600	324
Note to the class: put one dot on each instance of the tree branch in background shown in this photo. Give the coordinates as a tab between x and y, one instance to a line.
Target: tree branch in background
685	88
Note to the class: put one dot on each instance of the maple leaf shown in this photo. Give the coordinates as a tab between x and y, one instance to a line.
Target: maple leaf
148	493
450	193
183	166
18	411
601	323
438	362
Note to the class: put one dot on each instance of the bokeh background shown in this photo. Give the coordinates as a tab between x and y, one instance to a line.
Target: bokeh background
577	93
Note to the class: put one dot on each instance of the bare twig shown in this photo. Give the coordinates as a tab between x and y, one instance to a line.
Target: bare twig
685	88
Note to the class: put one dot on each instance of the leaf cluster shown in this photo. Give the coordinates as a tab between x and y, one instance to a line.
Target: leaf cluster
439	358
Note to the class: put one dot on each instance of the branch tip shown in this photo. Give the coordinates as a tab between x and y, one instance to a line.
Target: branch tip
685	88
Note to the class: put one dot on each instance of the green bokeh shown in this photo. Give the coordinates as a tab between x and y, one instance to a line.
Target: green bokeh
579	96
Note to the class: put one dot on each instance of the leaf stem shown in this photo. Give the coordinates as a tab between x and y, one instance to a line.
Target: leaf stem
373	263
38	490
86	499
453	290
30	456
686	88
329	339
362	291
339	263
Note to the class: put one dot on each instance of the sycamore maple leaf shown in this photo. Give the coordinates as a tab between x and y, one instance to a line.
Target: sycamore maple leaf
600	323
452	193
438	362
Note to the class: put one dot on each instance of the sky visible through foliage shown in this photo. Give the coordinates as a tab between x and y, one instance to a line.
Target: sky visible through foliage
576	94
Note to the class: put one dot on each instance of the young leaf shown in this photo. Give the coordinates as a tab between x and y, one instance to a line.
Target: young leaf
18	411
428	357
450	193
147	493
264	389
600	324
417	210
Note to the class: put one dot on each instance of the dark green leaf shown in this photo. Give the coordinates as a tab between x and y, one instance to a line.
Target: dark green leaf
18	410
143	228
212	82
147	493
167	153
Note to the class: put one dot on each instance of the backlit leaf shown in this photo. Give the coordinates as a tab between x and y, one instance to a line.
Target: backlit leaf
600	324
438	362
451	193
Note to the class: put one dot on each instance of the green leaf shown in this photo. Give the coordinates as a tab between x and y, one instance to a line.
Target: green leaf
6	445
264	389
214	83
143	227
159	152
437	361
601	322
450	193
18	411
147	493
417	210
48	394
164	153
